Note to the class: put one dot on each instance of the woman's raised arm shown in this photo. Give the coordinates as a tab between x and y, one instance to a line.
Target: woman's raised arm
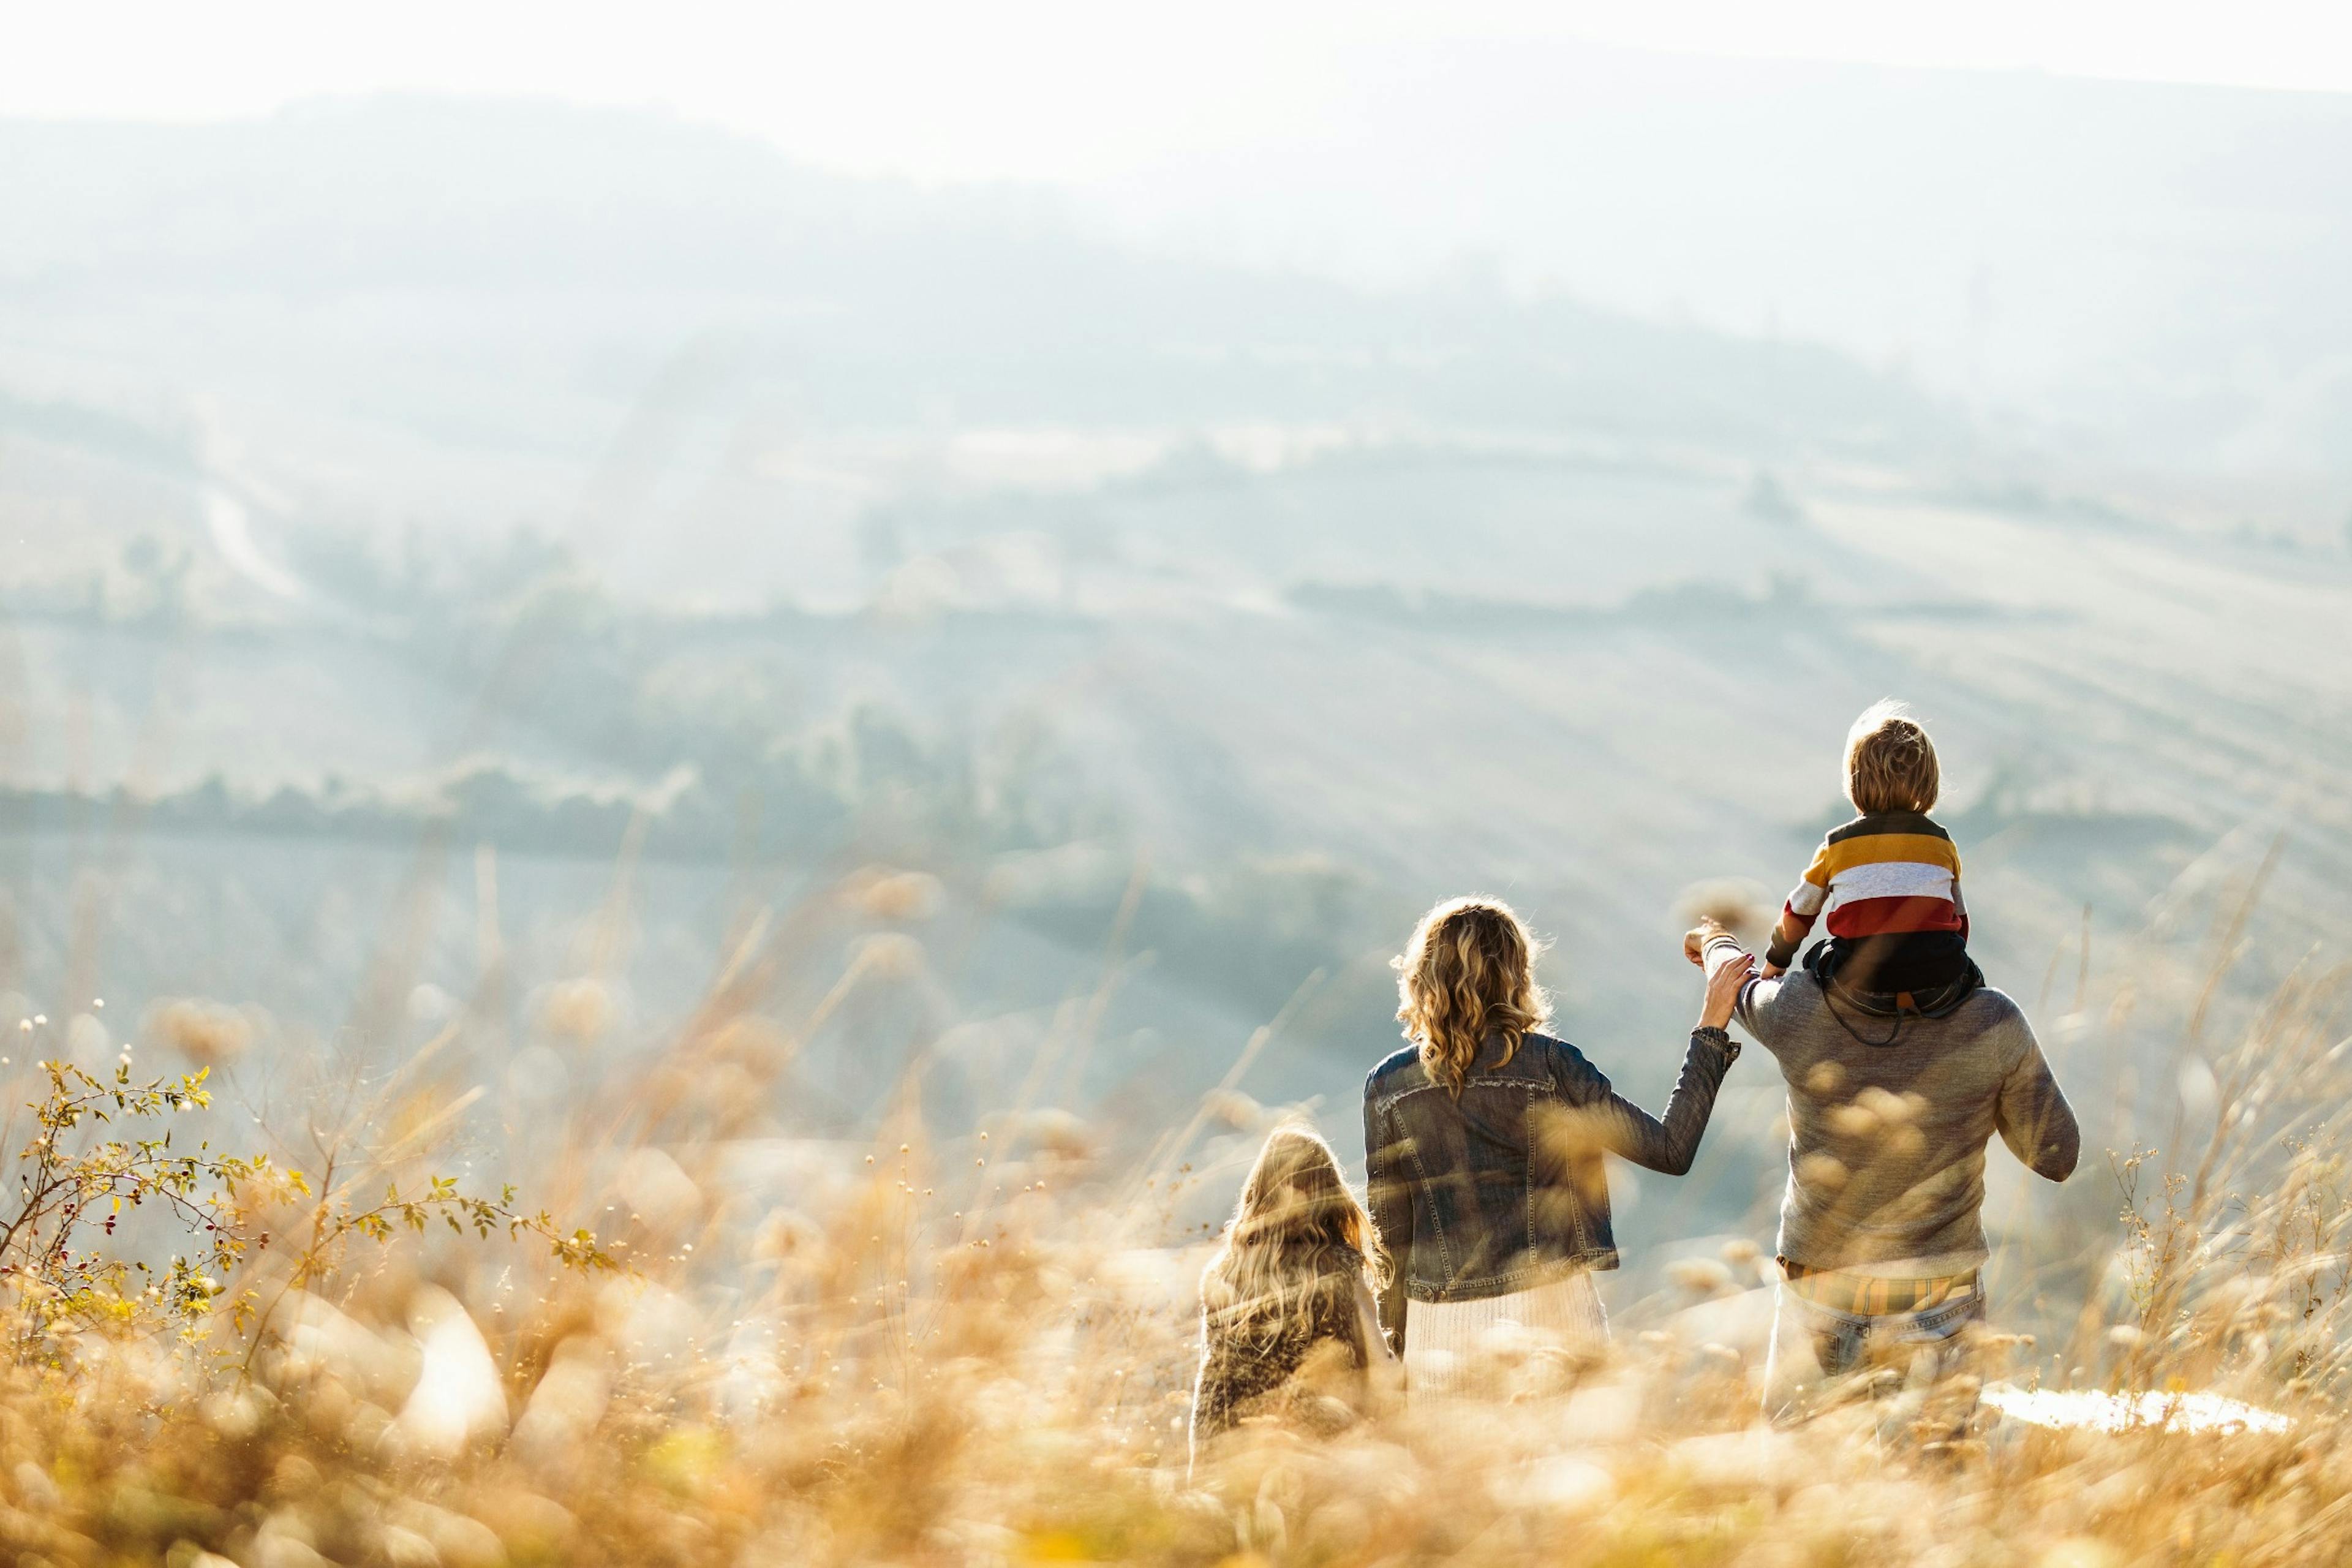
1670	1143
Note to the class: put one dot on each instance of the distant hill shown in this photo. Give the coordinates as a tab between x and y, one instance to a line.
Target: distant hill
457	315
2147	269
412	508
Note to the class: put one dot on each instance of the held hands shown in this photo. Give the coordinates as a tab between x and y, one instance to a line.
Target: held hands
1725	980
1695	940
1729	969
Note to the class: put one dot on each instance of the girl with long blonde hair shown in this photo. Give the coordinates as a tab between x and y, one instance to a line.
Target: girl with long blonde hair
1485	1140
1288	1327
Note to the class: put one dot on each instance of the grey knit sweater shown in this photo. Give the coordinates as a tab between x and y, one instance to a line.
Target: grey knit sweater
1886	1141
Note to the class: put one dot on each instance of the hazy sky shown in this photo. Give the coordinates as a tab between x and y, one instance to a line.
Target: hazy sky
1990	236
1052	89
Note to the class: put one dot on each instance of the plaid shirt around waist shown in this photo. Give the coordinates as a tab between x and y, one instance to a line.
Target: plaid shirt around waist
1861	1296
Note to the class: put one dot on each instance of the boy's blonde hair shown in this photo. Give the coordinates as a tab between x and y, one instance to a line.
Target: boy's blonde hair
1468	971
1890	763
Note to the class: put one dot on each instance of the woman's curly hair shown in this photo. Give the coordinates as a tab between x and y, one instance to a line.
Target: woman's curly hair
1468	973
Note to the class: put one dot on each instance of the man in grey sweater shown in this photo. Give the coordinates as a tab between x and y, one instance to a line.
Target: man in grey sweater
1890	1109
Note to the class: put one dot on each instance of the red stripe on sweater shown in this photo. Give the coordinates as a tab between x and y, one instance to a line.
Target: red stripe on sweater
1884	917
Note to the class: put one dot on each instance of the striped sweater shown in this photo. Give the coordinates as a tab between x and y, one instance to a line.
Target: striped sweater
1888	885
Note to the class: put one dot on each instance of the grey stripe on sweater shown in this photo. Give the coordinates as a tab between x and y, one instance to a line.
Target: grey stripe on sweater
1886	1141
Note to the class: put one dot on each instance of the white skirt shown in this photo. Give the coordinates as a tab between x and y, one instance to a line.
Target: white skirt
1462	1347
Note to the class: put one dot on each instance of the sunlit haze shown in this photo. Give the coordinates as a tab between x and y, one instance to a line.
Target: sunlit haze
718	724
1058	90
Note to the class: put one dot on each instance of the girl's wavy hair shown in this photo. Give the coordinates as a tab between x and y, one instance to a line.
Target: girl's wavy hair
1297	1231
1468	973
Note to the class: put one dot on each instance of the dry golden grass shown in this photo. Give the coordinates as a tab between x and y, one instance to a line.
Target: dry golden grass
975	1346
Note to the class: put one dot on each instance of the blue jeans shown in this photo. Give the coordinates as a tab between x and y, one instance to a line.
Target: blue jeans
1815	1345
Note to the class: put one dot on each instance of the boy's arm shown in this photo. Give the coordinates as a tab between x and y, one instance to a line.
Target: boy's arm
2033	1117
1798	914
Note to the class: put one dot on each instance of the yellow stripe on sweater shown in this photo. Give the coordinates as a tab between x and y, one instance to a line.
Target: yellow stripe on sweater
1872	848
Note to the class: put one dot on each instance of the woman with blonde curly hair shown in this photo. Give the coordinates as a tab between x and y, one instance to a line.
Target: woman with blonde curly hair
1484	1140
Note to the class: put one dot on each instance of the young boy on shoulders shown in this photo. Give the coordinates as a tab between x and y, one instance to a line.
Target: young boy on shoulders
1886	884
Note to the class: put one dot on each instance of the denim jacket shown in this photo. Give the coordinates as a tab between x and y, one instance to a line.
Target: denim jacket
1502	1188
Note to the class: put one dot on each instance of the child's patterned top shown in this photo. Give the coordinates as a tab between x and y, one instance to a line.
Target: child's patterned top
1886	875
